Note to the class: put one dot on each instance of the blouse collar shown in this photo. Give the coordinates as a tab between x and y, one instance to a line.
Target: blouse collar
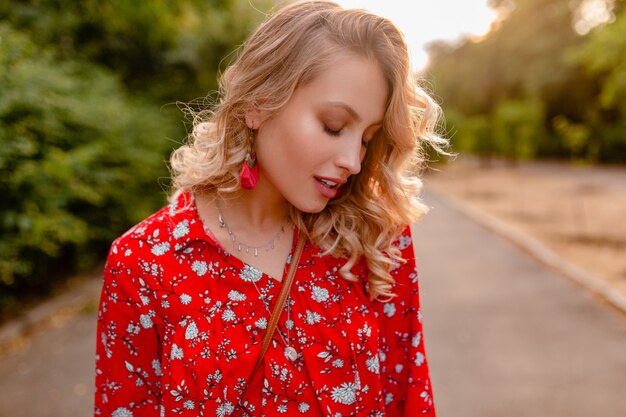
186	223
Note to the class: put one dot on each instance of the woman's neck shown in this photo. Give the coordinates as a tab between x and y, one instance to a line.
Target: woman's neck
256	210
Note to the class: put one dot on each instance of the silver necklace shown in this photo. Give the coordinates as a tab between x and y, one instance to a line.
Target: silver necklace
290	352
242	246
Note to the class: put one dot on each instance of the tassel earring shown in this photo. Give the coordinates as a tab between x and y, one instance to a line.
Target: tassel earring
249	175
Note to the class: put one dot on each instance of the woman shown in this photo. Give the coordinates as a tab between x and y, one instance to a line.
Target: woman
313	140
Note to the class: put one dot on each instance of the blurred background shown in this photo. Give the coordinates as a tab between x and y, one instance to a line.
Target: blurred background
88	117
533	92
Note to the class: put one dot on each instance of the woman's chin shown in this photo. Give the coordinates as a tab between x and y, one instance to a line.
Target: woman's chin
311	207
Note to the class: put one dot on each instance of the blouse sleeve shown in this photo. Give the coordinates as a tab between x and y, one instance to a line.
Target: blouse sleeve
406	379
128	366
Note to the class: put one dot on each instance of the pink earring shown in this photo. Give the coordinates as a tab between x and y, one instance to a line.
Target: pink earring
249	175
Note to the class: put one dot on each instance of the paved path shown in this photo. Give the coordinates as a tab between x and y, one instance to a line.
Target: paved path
52	375
505	338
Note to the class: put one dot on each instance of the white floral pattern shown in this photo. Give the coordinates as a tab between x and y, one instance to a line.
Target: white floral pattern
344	394
181	229
160	248
199	267
319	294
234	295
250	274
122	412
169	288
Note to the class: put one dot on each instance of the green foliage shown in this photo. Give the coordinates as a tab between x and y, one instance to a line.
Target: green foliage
168	50
511	131
575	136
470	133
534	87
79	160
516	125
604	57
84	120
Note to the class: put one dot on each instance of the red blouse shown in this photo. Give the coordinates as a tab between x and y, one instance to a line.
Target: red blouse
181	321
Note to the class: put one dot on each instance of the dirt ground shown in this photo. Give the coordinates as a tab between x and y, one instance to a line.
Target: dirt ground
577	211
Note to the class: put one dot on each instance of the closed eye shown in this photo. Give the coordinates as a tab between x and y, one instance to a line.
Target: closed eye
331	131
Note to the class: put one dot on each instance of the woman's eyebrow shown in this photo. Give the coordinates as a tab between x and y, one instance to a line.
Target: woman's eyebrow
347	108
350	111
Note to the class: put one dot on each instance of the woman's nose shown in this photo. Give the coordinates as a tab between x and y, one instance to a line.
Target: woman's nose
350	156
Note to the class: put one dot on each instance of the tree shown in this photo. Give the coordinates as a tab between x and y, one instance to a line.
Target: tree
168	50
526	62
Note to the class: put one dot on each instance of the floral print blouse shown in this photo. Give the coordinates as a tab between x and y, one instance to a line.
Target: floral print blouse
181	322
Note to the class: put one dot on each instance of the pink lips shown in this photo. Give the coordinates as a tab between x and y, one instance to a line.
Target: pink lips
329	192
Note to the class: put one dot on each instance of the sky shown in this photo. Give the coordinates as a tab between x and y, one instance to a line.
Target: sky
423	21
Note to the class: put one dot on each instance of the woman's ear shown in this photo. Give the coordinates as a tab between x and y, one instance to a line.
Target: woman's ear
253	118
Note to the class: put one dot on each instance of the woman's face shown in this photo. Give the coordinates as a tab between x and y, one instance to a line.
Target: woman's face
318	140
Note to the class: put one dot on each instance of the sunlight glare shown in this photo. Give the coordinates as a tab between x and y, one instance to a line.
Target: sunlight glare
423	21
593	13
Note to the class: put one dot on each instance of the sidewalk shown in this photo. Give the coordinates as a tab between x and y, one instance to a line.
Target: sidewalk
15	333
570	217
52	372
506	336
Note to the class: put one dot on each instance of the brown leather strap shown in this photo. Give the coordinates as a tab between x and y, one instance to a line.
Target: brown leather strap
280	303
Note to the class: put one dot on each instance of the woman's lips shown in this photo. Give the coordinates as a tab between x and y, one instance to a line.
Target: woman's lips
325	190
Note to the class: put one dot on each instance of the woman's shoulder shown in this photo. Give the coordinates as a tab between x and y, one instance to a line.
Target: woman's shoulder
404	239
405	285
404	268
160	231
153	224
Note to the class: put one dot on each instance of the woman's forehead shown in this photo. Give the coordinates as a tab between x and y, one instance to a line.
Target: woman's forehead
353	84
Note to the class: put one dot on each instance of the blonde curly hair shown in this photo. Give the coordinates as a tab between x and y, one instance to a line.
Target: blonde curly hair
285	52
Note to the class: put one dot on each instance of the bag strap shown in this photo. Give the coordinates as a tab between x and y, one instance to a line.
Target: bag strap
280	303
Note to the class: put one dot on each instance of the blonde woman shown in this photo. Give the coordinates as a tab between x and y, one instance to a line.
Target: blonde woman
281	278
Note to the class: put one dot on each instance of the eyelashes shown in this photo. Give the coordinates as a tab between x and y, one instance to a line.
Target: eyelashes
336	133
332	132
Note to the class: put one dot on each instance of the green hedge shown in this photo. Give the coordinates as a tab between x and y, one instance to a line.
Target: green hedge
79	163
